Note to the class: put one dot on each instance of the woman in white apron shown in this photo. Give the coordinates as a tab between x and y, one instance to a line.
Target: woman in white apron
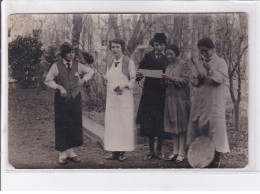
119	115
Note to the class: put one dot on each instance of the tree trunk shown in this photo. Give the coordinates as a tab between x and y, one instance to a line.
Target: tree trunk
136	37
212	29
123	27
194	35
114	26
236	111
189	45
77	28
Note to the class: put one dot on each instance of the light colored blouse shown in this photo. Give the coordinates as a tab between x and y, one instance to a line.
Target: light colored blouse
82	69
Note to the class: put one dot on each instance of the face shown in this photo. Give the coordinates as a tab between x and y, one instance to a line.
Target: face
70	56
116	49
206	52
158	47
170	55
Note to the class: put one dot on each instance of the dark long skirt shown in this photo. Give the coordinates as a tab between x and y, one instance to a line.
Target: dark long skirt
151	115
68	122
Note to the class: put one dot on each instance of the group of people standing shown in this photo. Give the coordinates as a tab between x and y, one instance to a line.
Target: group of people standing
165	108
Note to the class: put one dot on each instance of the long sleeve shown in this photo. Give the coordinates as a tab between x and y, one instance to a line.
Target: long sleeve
193	74
86	71
219	76
142	65
49	81
132	73
183	79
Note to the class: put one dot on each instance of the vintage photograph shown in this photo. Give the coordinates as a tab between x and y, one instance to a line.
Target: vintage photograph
128	91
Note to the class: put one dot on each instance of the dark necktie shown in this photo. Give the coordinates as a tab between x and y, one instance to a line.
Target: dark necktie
68	66
116	63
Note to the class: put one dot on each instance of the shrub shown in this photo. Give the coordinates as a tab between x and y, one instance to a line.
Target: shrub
24	59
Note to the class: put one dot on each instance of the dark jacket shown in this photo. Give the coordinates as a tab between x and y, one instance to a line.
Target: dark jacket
151	109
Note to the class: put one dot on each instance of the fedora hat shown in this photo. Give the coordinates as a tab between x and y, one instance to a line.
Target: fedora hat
159	38
66	48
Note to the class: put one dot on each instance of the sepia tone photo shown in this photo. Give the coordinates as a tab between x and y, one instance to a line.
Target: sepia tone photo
128	91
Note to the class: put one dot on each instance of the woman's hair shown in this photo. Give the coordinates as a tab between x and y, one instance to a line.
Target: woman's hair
117	41
207	42
175	48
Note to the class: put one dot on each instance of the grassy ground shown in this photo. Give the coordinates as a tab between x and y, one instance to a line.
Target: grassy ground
31	139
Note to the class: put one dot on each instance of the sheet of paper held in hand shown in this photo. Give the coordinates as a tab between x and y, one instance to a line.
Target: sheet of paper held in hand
151	73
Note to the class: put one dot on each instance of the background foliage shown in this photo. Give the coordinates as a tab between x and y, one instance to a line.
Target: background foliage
24	59
90	33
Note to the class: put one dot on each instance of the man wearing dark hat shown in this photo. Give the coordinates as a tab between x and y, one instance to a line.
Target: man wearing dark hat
65	77
150	116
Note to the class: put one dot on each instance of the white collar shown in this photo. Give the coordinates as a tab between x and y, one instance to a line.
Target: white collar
65	62
160	52
119	60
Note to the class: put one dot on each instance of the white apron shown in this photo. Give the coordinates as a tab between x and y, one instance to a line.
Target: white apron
119	115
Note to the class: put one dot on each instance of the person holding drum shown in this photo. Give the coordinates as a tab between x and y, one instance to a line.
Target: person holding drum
177	101
208	74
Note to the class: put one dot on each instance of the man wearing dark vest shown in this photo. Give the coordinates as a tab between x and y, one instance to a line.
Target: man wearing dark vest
65	77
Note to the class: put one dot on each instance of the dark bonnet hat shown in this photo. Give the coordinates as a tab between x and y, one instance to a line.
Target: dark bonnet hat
117	41
66	48
175	48
207	42
159	38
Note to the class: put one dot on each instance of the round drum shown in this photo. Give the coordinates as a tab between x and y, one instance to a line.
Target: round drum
201	152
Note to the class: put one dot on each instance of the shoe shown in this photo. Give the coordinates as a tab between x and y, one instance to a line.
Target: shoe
63	161
122	157
74	159
179	159
214	164
113	156
149	156
171	157
160	156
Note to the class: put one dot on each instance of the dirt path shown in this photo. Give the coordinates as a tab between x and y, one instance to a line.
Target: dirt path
31	140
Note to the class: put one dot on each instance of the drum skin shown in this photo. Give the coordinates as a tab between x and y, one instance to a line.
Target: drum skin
201	152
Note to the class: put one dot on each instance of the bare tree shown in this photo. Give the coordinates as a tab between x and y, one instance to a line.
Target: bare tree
114	25
77	28
234	48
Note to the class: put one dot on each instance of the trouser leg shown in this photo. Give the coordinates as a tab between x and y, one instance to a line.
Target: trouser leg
159	144
215	162
151	144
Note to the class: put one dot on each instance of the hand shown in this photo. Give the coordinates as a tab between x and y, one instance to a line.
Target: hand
138	126
165	76
139	75
81	82
206	66
169	78
201	80
63	92
118	90
104	80
122	87
202	58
